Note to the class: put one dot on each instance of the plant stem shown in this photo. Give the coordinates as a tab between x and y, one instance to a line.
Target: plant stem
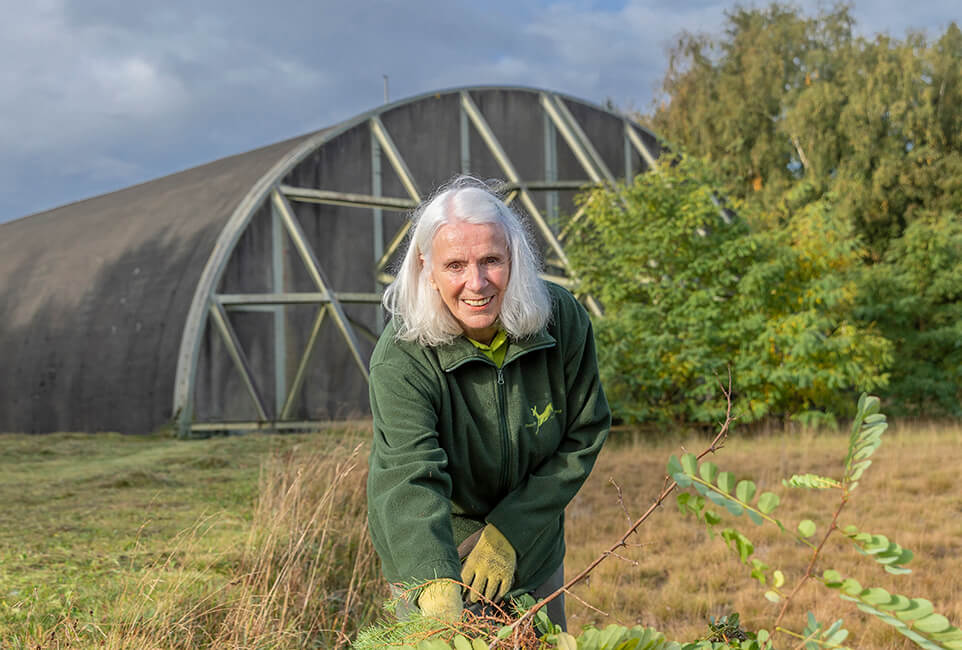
715	445
811	564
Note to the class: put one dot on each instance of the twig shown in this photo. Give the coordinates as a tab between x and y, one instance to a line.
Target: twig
585	603
716	444
621	500
811	563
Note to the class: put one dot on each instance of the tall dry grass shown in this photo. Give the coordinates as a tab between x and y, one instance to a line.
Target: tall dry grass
677	576
306	576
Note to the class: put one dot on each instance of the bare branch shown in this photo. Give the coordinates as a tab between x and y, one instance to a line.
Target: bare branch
716	443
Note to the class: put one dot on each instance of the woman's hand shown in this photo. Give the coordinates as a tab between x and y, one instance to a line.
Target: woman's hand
489	568
441	599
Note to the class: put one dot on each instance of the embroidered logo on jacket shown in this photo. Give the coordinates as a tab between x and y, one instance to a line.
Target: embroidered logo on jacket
541	418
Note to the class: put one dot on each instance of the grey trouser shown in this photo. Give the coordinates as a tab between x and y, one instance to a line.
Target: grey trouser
556	608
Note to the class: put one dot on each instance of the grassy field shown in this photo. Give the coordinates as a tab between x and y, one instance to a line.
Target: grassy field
259	541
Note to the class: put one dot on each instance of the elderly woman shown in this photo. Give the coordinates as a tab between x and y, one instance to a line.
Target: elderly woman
488	410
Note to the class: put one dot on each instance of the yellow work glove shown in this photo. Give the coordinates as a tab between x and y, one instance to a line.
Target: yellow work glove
441	599
489	568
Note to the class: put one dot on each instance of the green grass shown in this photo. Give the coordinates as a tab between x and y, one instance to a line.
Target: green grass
84	516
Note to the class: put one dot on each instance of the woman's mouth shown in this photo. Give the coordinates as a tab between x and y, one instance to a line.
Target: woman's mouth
477	302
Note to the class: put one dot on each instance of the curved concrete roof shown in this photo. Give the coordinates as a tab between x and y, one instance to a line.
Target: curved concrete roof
107	274
110	304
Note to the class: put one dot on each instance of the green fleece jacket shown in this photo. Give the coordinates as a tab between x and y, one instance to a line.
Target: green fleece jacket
459	442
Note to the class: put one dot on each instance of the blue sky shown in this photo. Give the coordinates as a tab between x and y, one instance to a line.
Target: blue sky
102	94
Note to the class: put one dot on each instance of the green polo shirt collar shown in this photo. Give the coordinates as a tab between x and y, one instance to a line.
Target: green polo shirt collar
462	349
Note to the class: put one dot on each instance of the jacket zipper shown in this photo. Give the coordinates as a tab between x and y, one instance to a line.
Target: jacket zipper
505	440
505	437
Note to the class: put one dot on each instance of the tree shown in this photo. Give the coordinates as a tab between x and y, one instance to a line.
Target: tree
801	117
781	99
689	291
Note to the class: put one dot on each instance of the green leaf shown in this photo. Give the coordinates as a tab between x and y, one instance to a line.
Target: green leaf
755	517
932	623
851	587
461	643
745	491
734	507
806	527
772	596
726	482
876	596
711	518
689	464
832	578
897	570
951	634
708	471
505	632
674	467
478	644
897	602
919	608
567	642
768	502
811	481
778	579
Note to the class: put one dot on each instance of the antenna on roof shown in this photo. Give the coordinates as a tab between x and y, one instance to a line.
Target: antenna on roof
385	89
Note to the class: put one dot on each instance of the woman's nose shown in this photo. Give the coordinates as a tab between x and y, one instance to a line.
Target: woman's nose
476	278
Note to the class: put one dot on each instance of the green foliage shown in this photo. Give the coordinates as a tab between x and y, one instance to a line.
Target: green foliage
815	635
915	296
887	553
399	634
619	637
796	113
689	292
811	481
867	430
914	618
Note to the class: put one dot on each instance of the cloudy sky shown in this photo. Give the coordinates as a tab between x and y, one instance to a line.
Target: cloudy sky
96	95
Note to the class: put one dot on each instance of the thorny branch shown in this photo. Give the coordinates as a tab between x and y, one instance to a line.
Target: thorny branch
716	444
809	571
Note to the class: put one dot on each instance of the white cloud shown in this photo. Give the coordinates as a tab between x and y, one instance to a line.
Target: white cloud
99	94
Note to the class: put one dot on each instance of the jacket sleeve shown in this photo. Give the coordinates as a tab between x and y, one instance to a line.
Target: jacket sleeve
409	489
539	501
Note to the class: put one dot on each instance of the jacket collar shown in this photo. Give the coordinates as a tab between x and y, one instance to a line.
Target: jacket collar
460	351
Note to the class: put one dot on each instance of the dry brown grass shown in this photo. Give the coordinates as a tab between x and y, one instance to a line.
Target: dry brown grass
306	577
682	577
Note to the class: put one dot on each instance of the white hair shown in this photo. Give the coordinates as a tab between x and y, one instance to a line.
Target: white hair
420	313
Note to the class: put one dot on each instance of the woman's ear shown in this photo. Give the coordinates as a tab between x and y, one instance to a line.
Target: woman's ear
422	267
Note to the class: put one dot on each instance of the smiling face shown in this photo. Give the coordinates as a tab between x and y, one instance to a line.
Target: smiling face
470	266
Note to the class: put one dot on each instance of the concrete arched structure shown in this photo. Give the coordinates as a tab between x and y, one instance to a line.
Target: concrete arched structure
244	293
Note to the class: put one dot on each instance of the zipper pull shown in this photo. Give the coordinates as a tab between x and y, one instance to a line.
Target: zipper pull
500	377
